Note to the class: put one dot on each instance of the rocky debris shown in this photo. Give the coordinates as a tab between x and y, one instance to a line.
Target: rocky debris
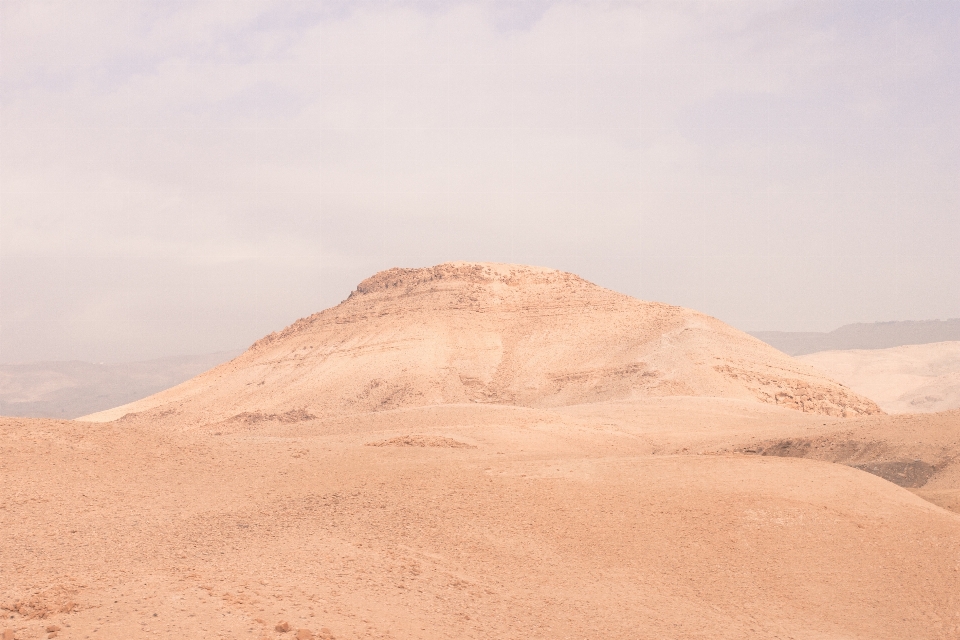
801	395
288	417
422	441
43	604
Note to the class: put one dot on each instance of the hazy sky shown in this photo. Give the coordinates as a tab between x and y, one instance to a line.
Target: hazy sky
180	177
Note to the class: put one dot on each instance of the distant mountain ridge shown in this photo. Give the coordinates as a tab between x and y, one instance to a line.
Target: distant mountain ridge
74	388
862	335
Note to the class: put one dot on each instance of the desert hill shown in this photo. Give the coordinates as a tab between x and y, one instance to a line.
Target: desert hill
491	334
907	379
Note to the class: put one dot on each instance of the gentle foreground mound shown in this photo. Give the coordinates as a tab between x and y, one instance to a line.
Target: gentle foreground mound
494	334
470	521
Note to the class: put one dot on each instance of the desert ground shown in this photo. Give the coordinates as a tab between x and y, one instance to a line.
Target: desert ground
478	450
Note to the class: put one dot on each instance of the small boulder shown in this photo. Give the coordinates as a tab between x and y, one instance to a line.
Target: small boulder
304	634
282	626
51	628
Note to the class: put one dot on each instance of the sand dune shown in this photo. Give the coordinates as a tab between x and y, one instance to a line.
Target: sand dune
512	474
500	334
908	379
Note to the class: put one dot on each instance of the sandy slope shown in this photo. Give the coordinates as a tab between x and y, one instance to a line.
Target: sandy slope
908	379
490	333
468	521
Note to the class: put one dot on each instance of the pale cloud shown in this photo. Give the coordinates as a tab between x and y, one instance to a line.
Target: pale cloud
782	165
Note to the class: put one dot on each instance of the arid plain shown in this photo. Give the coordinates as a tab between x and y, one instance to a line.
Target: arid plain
487	451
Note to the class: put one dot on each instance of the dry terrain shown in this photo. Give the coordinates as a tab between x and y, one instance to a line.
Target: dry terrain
908	379
492	452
